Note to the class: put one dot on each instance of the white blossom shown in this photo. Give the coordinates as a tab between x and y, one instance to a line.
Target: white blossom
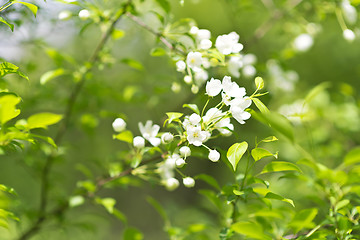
188	79
227	44
201	76
234	64
205	44
194	61
350	13
149	132
188	182
237	109
84	14
138	142
194	119
213	87
214	155
203	34
119	125
222	126
171	184
167	138
212	115
231	89
249	71
196	136
303	42
194	30
64	15
349	35
185	151
180	162
180	66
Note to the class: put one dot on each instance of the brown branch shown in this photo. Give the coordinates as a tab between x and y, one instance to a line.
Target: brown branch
44	190
157	34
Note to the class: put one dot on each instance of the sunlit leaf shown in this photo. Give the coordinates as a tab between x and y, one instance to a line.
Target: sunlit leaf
11	26
260	153
51	75
7	108
193	107
7	189
352	157
77	200
280	166
259	82
209	180
132	233
42	120
33	8
250	229
107	203
125	136
260	105
117	34
7	68
271	195
172	116
303	219
235	152
157	52
133	63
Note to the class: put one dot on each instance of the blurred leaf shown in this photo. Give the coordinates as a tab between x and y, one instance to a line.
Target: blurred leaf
164	5
33	8
11	26
131	233
341	204
271	195
125	136
132	63
260	105
280	166
211	196
7	189
235	152
158	208
117	34
6	214
260	153
249	229
50	75
303	219
49	140
157	52
209	180
42	120
193	107
7	108
259	82
107	203
75	201
172	116
119	215
269	139
315	91
352	157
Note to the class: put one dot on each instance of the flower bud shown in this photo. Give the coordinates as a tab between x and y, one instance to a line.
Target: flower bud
180	162
64	15
167	138
194	119
214	155
171	184
139	142
188	79
84	14
119	125
185	151
188	182
194	89
349	35
180	66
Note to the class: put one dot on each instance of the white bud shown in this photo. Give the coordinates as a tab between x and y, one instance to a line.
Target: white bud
194	30
175	87
167	138
188	182
205	44
180	66
349	35
188	79
214	155
203	34
84	14
194	89
185	151
171	184
180	162
119	125
139	142
64	15
303	42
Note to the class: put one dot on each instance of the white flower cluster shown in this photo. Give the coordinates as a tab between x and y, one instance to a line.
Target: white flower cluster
201	58
281	79
65	15
350	16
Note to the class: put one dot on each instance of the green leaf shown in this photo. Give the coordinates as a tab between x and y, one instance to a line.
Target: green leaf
107	203
33	8
132	63
209	180
158	208
269	139
75	201
51	75
280	166
271	195
5	214
260	105
259	82
250	230
352	157
132	233
120	216
315	91
164	5
172	116
7	189
42	120
49	140
235	152
260	153
125	136
157	52
11	26
7	68
117	34
193	107
303	219
342	204
7	108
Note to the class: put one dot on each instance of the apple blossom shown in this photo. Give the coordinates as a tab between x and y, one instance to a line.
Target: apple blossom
194	119
84	14
213	87
180	66
203	34
139	142
194	61
205	44
188	79
231	89
228	43
196	136
119	125
64	15
149	132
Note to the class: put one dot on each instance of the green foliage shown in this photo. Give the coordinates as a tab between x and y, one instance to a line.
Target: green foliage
235	153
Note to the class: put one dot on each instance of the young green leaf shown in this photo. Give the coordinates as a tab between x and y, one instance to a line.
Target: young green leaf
172	116
193	107
7	68
132	63
260	153
157	52
271	195
280	166
75	201
352	157
209	180
125	136
235	152
11	26
303	219
33	8
42	120
164	5
7	189
259	82
117	34
250	230
260	105
107	203
51	75
132	233
7	108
